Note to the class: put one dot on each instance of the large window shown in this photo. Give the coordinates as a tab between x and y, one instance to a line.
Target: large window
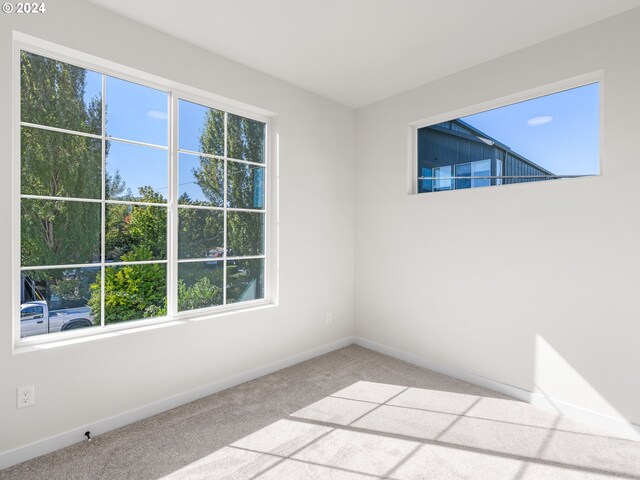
136	203
547	138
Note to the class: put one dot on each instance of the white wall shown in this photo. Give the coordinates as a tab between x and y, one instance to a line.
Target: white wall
533	285
80	384
561	318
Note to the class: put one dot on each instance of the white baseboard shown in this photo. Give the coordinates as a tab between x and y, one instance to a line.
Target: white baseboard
615	426
56	442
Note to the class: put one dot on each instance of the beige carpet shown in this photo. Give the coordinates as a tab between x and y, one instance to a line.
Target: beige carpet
351	414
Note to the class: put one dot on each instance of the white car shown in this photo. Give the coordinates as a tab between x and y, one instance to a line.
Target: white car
37	319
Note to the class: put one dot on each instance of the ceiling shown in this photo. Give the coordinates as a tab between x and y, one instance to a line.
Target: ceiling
359	51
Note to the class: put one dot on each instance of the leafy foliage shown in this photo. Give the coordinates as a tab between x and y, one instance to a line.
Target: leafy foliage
245	230
131	226
245	185
212	137
200	285
245	233
210	177
244	279
200	233
58	232
148	225
52	93
132	291
199	295
245	138
59	164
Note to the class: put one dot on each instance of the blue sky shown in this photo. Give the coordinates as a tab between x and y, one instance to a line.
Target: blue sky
139	166
139	113
190	123
93	86
566	137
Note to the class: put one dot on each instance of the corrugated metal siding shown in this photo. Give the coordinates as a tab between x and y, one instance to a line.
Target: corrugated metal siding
515	166
438	148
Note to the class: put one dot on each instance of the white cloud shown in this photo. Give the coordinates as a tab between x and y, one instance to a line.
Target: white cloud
158	115
538	121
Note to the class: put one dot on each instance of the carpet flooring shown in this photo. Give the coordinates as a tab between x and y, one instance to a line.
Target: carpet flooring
352	414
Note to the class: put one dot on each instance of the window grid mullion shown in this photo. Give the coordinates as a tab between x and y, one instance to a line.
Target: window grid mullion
103	205
218	259
265	206
218	157
61	130
172	260
209	207
173	217
224	206
58	267
135	142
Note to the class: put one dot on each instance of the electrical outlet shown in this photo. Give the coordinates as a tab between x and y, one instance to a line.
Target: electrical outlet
26	396
329	318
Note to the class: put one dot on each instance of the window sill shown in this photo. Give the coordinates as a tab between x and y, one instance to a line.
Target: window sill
63	339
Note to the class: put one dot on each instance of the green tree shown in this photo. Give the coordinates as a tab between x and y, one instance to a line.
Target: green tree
132	291
129	226
148	224
201	294
210	173
245	189
59	164
200	233
133	233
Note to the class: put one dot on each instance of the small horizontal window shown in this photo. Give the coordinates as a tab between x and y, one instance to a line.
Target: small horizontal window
547	138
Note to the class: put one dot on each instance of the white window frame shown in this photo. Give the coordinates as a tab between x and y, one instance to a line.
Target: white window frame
548	89
176	92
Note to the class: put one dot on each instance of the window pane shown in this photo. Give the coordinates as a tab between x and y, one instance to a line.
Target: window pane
59	232
245	185
136	172
245	280
135	233
59	164
443	180
201	129
545	138
200	233
426	184
481	168
199	285
246	138
201	181
59	299
135	112
134	292
69	230
245	234
57	94
463	170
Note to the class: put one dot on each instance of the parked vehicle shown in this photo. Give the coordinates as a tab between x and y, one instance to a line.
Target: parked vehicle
37	319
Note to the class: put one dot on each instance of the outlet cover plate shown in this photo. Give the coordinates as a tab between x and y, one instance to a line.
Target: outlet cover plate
26	396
